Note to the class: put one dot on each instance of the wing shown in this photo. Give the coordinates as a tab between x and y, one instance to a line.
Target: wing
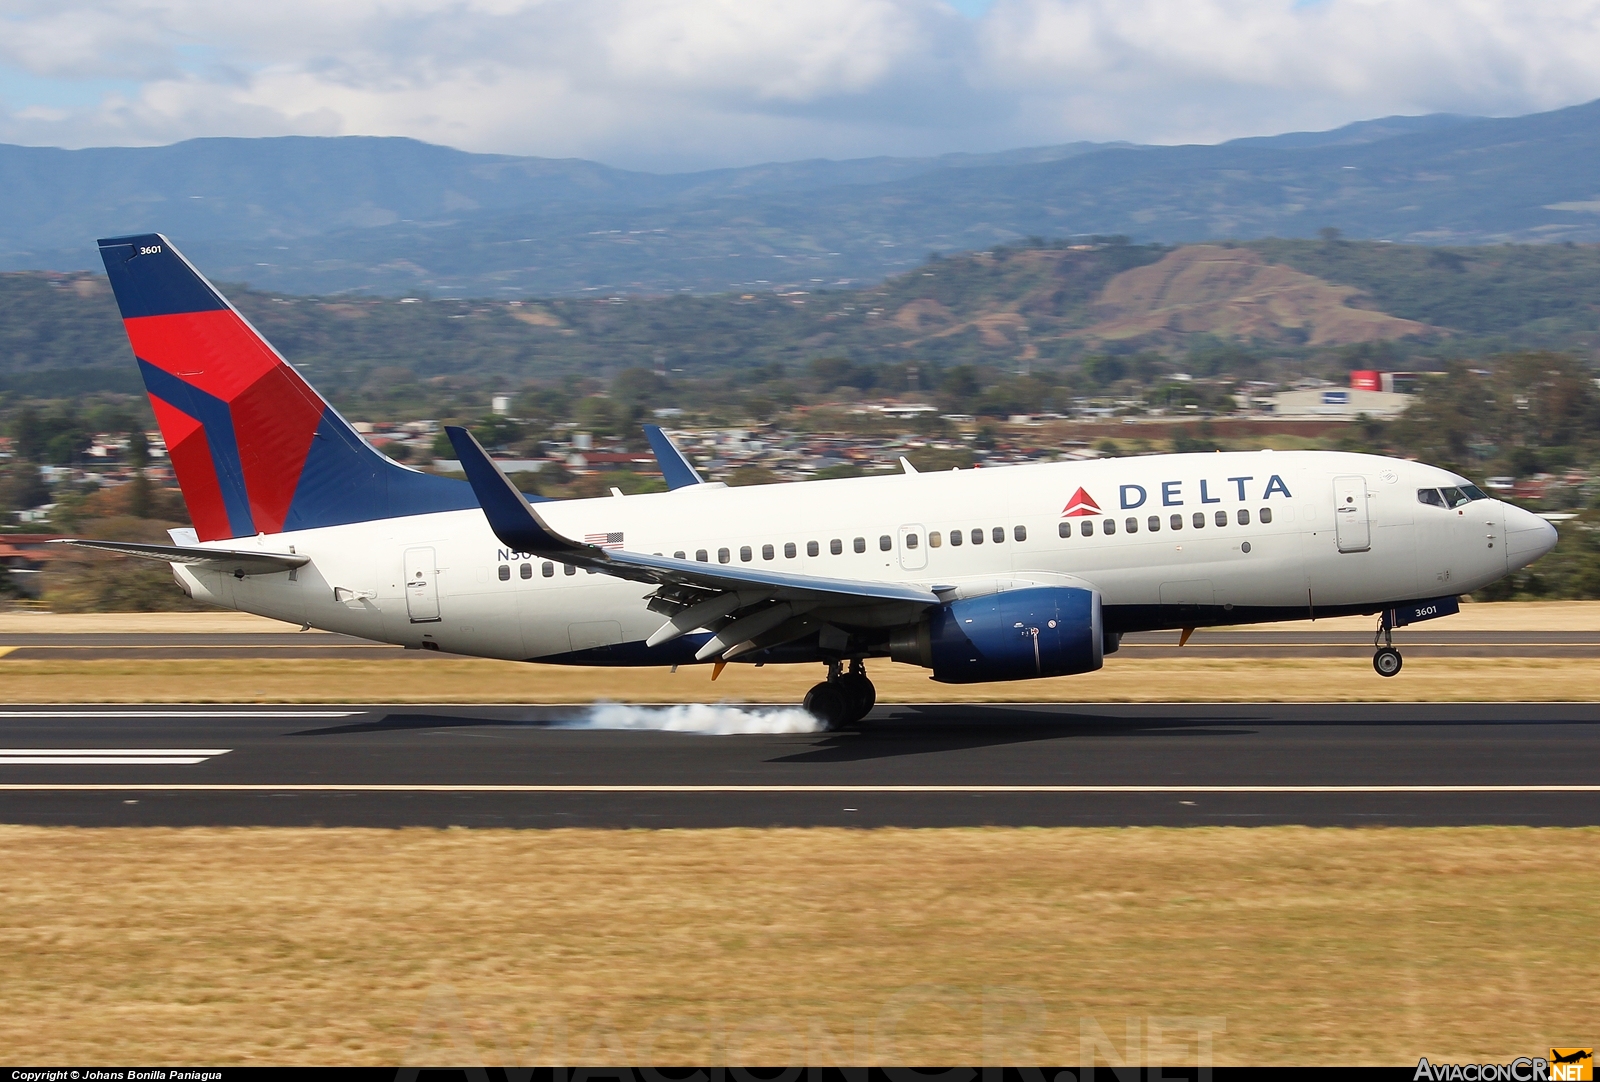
228	561
751	608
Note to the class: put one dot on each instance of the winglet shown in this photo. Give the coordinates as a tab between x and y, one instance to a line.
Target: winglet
674	466
507	510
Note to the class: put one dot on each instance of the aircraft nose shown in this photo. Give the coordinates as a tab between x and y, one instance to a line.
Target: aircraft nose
1528	537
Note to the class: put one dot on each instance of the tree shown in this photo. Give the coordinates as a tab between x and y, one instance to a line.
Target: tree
29	435
495	431
21	487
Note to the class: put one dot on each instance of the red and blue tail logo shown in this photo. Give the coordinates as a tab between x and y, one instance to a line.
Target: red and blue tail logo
256	450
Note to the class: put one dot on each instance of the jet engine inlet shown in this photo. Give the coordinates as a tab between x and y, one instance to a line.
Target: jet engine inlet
1014	635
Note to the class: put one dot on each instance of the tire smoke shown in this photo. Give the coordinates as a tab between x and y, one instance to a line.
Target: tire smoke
718	719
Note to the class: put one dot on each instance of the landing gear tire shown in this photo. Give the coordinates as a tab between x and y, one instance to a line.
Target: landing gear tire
1386	661
859	695
827	703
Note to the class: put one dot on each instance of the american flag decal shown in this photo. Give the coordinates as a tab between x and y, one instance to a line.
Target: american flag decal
604	540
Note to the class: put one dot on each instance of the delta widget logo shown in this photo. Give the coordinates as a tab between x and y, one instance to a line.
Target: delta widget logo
1081	505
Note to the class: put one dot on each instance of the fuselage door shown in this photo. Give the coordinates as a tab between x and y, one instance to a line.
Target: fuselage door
913	547
1351	523
422	586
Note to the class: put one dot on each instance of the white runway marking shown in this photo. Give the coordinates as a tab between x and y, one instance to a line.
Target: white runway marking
1218	790
107	756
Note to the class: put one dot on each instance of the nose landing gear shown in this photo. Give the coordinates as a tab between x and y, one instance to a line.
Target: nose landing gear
1386	660
844	698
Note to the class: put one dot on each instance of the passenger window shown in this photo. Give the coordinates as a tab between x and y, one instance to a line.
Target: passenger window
1199	520
745	554
1019	532
836	546
860	544
1111	526
1244	516
568	569
955	538
1222	518
527	571
723	556
789	551
1086	527
885	543
547	569
1430	496
700	554
911	541
1154	524
977	535
1266	514
1065	529
768	552
1132	525
935	539
1177	522
999	534
678	555
811	548
505	572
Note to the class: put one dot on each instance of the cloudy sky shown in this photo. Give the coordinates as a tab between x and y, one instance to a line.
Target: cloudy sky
683	84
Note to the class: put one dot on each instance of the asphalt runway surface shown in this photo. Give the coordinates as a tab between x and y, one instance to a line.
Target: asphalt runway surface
907	765
1417	642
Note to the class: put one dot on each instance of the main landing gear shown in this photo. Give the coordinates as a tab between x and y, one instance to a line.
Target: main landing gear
844	698
1387	659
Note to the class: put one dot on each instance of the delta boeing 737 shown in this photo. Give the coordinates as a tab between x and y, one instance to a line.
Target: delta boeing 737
976	575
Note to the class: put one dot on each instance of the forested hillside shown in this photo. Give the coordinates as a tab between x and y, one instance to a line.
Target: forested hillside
1325	303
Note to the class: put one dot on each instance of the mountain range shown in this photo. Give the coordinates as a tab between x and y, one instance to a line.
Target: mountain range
395	216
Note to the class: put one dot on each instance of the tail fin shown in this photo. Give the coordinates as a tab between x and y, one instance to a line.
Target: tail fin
256	450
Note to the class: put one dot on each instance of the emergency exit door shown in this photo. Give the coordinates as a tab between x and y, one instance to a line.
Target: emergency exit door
422	586
1350	522
913	547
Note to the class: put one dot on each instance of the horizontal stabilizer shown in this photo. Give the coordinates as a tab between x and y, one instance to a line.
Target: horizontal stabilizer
238	564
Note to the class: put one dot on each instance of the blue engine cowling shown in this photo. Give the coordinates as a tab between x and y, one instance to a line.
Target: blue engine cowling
1013	635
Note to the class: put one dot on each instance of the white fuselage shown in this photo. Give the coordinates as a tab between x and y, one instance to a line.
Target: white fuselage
1270	543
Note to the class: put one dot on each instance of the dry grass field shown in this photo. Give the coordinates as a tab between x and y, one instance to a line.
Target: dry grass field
434	679
1126	678
1289	945
1507	616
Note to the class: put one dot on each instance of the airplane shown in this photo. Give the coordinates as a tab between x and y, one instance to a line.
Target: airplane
977	575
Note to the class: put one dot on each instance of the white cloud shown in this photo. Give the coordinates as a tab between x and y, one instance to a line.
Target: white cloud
1199	70
687	83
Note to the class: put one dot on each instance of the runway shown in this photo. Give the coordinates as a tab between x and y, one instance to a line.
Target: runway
1266	642
908	765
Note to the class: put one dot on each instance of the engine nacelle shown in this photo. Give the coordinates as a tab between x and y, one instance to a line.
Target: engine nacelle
1013	635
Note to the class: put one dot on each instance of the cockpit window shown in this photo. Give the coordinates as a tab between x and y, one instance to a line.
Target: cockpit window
1430	496
1474	492
1454	497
